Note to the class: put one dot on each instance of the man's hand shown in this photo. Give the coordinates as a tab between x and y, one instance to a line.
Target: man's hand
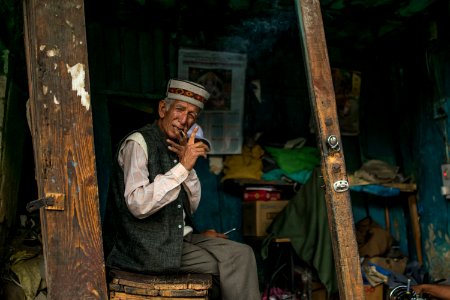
190	151
213	233
438	291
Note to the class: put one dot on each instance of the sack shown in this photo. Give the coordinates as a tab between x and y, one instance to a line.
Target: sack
372	239
246	165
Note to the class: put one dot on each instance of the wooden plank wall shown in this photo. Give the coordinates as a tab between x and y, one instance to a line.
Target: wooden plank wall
13	131
129	61
61	121
129	68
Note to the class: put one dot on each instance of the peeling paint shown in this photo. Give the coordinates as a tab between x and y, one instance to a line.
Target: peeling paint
45	105
438	253
78	76
42	47
53	52
55	100
44	89
55	65
78	6
69	23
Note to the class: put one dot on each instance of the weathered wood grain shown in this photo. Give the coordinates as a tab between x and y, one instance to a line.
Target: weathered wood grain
61	121
323	101
172	286
123	296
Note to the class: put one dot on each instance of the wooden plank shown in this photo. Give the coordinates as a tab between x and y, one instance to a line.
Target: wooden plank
123	296
414	215
183	293
146	56
113	52
62	133
97	56
161	282
140	291
159	58
323	101
131	75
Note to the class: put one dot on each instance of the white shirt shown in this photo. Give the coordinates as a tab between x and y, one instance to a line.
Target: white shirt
144	198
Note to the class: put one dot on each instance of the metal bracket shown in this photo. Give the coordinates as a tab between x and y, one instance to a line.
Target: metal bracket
52	201
340	186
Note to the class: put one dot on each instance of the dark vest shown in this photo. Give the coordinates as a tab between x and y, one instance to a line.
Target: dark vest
152	244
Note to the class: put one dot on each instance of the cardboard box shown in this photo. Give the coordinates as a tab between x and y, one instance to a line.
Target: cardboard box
374	292
319	291
258	215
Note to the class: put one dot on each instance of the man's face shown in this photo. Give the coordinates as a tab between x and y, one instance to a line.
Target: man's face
180	117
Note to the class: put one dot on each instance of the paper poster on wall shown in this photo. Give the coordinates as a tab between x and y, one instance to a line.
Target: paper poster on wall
223	75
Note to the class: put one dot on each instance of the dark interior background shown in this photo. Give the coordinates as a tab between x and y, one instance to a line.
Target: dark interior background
400	48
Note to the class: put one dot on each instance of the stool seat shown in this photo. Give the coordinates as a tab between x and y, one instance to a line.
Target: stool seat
133	286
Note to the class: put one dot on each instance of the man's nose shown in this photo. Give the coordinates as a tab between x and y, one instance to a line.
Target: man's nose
183	118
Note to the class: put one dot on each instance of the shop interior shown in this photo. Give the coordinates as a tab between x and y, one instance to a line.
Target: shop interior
390	66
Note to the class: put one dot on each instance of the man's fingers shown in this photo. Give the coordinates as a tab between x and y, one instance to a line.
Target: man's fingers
182	137
173	144
193	134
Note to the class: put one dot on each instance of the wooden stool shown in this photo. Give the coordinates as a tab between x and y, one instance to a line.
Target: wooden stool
131	286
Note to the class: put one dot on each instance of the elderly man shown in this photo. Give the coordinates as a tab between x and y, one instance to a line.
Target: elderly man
156	190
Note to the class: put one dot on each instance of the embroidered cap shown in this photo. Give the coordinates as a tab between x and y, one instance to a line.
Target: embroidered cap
187	91
199	135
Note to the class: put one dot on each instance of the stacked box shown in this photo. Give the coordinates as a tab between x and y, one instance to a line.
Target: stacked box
258	215
261	195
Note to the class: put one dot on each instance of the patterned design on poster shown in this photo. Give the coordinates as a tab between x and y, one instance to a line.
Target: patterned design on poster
223	75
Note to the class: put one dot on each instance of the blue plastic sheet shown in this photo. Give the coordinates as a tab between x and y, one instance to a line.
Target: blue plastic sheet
376	189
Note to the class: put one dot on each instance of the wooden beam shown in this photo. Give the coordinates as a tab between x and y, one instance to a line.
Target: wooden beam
62	132
323	101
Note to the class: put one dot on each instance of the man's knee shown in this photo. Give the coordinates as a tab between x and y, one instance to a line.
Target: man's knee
246	253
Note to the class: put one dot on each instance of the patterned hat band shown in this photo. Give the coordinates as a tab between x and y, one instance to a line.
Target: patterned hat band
186	93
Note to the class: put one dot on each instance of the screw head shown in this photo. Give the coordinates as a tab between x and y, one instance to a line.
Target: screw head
332	141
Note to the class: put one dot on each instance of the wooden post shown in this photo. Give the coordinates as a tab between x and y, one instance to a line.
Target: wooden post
414	215
337	196
62	132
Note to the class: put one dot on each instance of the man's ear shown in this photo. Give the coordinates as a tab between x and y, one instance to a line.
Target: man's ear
162	108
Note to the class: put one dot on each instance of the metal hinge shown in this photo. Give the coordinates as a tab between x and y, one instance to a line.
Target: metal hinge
340	186
52	201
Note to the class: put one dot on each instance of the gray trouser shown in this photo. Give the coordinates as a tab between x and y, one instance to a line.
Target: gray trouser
233	262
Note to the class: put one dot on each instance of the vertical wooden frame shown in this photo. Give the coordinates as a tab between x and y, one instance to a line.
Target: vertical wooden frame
340	217
62	132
